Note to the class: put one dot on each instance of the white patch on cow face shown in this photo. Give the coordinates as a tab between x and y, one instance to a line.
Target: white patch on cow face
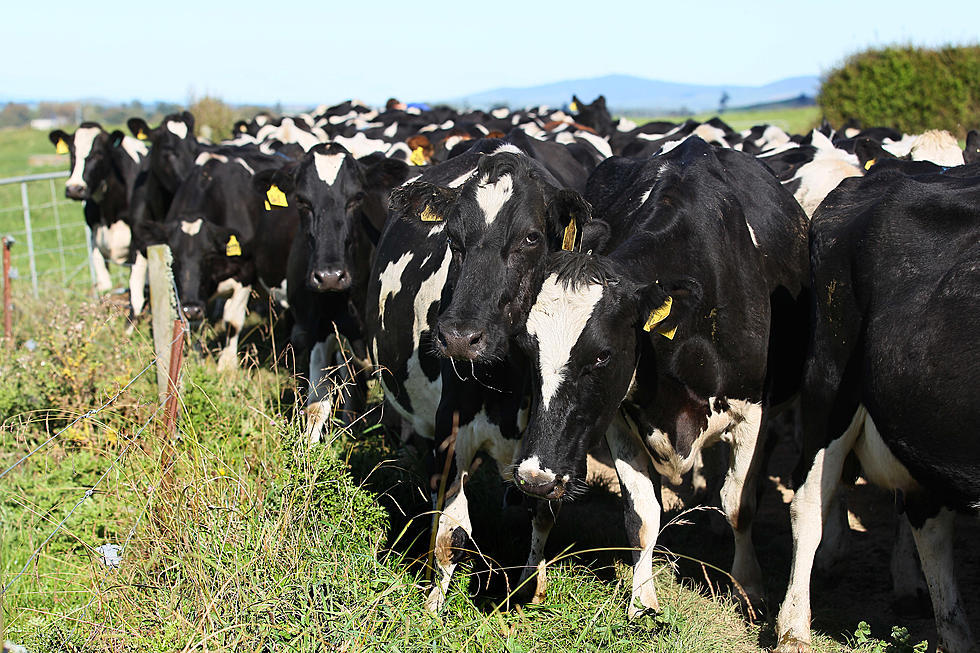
177	128
436	230
462	179
557	320
499	114
391	283
191	228
328	166
391	130
531	468
204	157
452	142
492	197
135	148
84	138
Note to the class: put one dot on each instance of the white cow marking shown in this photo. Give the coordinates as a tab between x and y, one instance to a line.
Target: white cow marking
391	282
177	128
390	130
557	320
84	138
328	166
755	241
460	180
492	197
531	467
135	148
191	228
204	157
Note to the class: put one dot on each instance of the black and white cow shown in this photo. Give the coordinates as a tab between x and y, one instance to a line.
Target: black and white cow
211	228
342	204
456	272
896	300
680	337
104	172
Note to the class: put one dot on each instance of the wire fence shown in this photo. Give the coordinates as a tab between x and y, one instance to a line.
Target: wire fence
51	236
39	555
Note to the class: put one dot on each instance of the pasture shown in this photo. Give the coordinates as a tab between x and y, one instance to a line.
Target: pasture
248	538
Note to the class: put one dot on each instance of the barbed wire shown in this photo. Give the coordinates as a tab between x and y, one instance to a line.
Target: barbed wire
95	411
89	492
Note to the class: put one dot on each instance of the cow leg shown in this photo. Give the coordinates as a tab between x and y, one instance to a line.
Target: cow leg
233	316
103	282
137	287
541	525
934	540
454	530
834	543
808	511
909	588
738	498
642	513
318	401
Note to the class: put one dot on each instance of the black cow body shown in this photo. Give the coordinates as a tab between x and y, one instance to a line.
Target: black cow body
680	337
105	171
896	294
455	274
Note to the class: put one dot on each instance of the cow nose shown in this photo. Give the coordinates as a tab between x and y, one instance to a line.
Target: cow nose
75	192
330	280
539	484
461	342
194	311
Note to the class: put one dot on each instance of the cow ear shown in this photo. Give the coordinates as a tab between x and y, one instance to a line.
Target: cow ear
870	152
139	128
60	141
385	174
188	118
568	214
116	138
227	242
275	184
422	201
665	306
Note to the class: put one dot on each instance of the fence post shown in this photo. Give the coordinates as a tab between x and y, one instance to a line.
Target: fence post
8	333
163	309
25	202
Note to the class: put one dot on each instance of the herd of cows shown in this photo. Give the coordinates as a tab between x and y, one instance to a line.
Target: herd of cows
529	284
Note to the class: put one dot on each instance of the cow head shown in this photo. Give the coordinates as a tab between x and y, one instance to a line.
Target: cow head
584	337
204	255
90	161
594	115
971	153
174	147
338	198
501	223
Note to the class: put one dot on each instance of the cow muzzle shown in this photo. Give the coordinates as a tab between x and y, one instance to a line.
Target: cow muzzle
75	192
537	482
193	312
462	342
330	280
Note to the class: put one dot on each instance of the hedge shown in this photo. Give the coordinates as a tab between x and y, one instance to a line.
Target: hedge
910	89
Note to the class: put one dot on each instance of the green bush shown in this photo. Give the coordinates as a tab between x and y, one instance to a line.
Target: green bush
908	88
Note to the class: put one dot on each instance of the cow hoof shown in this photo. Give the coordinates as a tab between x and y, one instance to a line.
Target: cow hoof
643	602
435	600
789	644
227	361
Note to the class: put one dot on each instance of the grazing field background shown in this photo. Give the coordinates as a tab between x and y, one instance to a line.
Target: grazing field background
249	539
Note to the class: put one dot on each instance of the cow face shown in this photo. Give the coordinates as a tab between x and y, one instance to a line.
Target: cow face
584	336
90	162
338	198
594	115
971	153
500	223
174	147
204	256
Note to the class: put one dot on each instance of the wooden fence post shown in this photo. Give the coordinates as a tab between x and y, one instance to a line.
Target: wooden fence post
8	333
163	308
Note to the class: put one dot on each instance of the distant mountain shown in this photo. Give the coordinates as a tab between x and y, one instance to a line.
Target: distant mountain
625	93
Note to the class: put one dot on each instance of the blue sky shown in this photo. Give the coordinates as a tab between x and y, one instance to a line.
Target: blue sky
304	53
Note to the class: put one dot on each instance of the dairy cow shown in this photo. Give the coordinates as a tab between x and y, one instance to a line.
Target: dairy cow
682	335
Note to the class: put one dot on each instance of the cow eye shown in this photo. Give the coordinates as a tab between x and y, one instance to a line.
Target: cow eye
354	200
602	358
532	238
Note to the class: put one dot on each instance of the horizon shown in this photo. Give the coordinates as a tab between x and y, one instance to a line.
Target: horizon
187	50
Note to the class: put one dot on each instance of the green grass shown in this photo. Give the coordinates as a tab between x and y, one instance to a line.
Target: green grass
794	121
259	542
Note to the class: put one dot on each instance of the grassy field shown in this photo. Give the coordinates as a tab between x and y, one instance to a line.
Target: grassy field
794	121
248	539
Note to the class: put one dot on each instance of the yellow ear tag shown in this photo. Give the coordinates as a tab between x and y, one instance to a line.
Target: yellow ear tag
568	241
141	135
573	106
871	162
418	157
275	196
233	248
428	215
268	207
659	315
61	147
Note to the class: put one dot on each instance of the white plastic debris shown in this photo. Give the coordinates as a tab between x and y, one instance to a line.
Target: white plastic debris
110	555
30	345
10	647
